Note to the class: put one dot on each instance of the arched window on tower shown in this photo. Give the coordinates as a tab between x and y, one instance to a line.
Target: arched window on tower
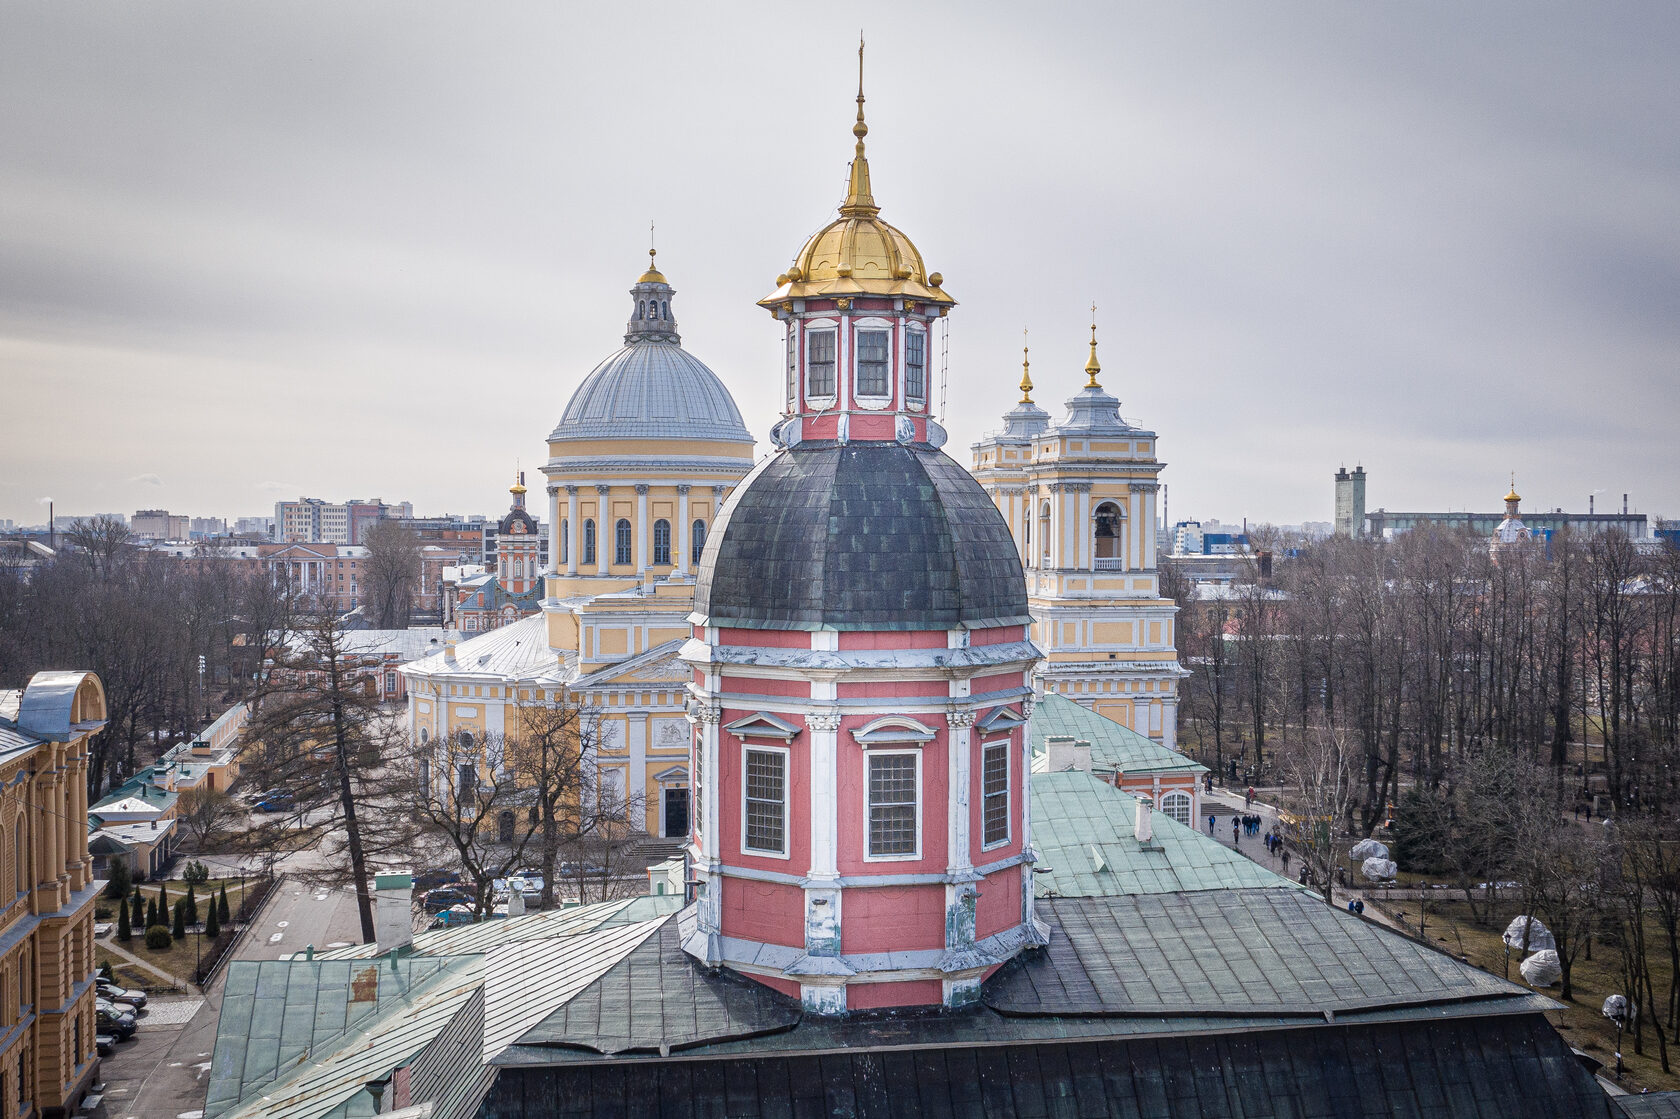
1110	537
699	535
1044	531
621	542
589	540
662	543
665	309
641	309
565	543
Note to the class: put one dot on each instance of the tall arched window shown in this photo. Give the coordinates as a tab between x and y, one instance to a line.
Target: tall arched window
565	543
662	543
621	542
699	534
589	540
641	309
1044	531
664	309
1111	536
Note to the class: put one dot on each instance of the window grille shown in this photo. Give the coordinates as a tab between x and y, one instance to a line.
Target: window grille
662	542
1177	805
589	540
994	792
766	794
915	366
892	804
621	542
819	363
872	363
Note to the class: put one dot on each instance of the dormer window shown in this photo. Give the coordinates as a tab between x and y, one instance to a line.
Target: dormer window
872	349
819	363
915	367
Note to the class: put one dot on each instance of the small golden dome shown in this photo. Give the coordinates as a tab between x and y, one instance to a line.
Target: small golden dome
1512	495
516	489
652	275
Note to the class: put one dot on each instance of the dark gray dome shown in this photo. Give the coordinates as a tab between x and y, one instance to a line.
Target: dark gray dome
860	536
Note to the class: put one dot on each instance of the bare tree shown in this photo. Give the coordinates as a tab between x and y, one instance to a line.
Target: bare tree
1322	788
392	574
206	813
468	793
318	735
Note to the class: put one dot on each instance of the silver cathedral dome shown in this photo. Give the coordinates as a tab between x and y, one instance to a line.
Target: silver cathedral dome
652	388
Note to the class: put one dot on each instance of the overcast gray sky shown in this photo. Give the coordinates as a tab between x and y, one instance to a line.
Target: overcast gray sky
255	251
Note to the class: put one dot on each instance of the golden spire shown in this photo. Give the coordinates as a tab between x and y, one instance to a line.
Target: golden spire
1026	370
652	275
1512	496
518	487
859	201
1092	366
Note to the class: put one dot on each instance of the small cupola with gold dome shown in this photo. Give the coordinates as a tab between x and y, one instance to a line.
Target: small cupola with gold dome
859	306
651	319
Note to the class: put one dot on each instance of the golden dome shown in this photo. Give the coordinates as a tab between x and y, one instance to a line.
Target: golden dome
1512	495
858	253
652	275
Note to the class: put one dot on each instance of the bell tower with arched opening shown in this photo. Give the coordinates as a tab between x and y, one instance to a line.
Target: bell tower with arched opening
1079	496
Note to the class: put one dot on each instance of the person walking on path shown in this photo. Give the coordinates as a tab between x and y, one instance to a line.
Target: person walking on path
1236	831
1286	860
1211	819
1248	798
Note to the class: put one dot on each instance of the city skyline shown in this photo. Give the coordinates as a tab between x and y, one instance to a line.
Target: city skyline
337	253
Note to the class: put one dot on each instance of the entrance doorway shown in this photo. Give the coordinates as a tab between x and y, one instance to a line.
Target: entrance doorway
676	811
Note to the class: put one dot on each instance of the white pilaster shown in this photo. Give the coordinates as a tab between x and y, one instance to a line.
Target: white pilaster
683	541
641	531
606	538
637	737
573	543
553	531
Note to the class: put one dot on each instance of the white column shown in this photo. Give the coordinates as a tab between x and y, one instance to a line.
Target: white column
1087	558
683	542
641	531
958	755
1057	520
553	531
1134	553
605	537
573	543
638	739
825	782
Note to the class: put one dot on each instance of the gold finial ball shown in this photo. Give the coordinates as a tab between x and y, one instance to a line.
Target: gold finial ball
843	269
782	279
794	274
860	130
936	279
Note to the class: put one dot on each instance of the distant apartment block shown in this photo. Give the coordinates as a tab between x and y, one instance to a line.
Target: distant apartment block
159	524
310	520
254	526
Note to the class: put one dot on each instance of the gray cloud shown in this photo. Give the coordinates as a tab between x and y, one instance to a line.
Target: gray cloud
146	480
373	249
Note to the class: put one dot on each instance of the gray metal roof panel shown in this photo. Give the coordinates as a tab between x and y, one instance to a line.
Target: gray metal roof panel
860	536
1113	747
651	390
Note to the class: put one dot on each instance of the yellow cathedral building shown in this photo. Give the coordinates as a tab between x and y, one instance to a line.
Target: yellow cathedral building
648	448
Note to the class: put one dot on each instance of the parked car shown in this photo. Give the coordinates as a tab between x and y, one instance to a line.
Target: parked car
276	800
105	1043
437	876
442	898
110	992
114	1021
454	915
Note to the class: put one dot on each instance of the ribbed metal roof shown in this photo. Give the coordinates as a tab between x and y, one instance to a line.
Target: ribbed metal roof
860	536
1113	747
651	390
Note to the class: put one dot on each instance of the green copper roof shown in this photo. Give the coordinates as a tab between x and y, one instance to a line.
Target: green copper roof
1083	830
1113	747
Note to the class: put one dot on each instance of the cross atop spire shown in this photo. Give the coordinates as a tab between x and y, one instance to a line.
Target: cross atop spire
859	201
1092	365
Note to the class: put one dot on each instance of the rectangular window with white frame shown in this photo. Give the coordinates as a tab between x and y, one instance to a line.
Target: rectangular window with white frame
915	367
994	794
873	349
764	800
819	363
895	808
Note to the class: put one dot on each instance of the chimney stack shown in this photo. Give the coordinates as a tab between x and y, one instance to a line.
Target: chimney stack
1144	828
1589	505
1065	754
393	915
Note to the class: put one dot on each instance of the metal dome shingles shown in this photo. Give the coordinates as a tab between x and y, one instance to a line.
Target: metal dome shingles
861	536
651	390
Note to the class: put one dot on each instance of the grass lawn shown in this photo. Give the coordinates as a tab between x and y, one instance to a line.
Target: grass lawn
1449	927
182	956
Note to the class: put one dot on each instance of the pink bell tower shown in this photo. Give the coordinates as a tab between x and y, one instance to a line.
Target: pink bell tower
862	665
